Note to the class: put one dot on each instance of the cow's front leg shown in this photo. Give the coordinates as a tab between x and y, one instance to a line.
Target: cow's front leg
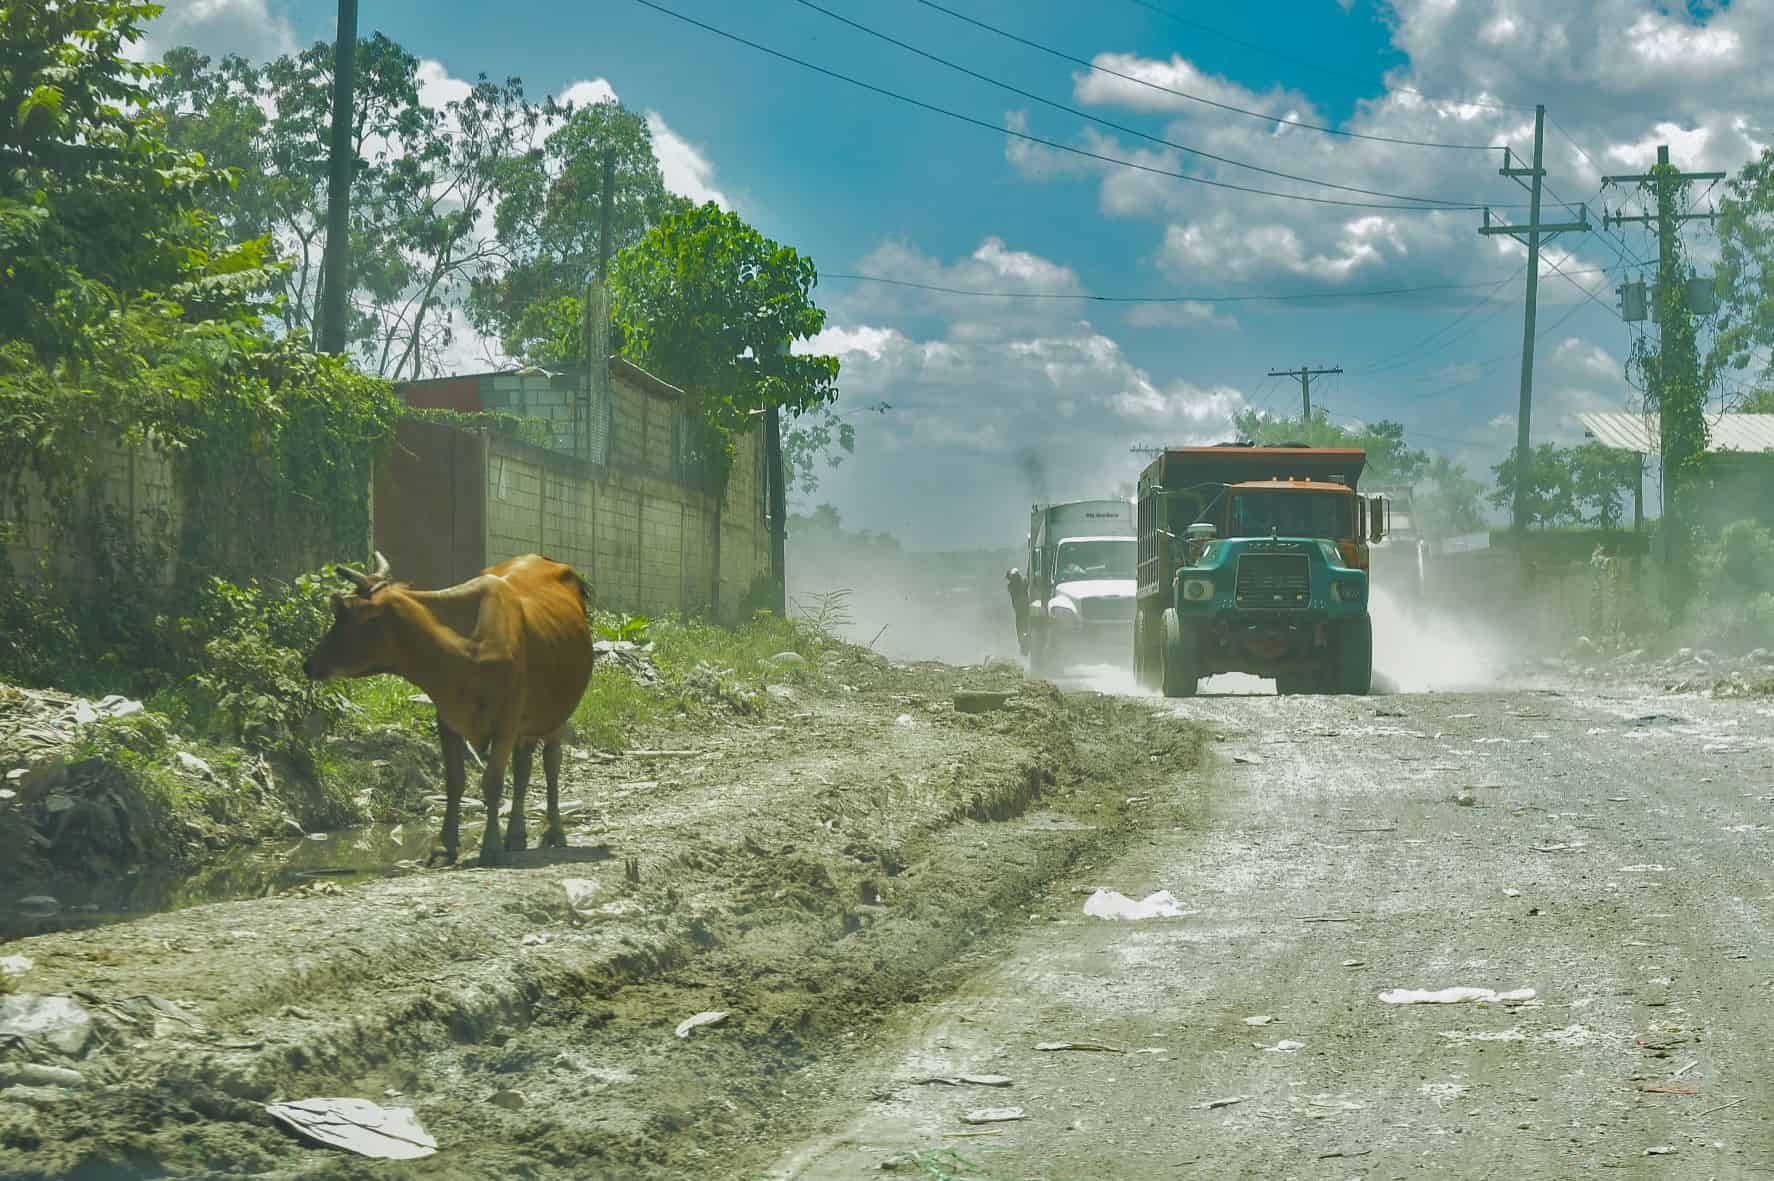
455	756
516	831
554	835
492	786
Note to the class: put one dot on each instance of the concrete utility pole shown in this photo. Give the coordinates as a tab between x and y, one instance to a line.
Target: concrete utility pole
1667	183
1305	375
336	260
1536	235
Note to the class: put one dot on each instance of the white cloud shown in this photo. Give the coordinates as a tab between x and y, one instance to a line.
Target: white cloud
1188	314
687	171
997	403
254	29
588	93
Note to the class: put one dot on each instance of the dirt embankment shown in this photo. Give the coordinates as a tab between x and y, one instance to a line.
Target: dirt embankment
804	873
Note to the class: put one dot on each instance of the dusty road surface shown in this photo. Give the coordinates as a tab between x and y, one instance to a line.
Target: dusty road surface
1607	849
806	871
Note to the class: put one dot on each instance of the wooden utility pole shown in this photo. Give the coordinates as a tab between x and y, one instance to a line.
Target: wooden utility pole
1681	424
336	260
1533	236
1305	375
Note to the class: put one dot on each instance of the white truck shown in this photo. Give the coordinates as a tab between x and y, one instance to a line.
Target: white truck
1081	583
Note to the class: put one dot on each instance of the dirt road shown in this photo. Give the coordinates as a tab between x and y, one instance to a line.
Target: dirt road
1607	849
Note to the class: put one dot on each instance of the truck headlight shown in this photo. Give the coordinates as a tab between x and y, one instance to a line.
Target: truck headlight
1346	591
1197	590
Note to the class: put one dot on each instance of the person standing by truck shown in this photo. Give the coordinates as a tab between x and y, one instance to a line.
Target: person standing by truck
1019	605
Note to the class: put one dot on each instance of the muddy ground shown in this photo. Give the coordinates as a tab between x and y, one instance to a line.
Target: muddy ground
811	873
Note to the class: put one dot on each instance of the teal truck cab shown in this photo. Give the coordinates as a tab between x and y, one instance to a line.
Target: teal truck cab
1255	560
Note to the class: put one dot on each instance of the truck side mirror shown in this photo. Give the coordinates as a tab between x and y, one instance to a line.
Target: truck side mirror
1376	529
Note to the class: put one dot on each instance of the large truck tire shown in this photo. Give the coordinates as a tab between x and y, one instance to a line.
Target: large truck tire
1293	684
1181	661
1146	649
1354	656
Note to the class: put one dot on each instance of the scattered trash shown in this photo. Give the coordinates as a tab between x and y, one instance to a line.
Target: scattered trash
789	660
1569	1036
1248	760
1488	1035
1661	1150
979	701
1109	904
357	1125
1569	848
581	893
196	766
1465	798
1668	1090
1213	1103
1258	1020
1284	1046
904	720
964	1080
538	938
37	1074
1095	1047
994	1115
709	1018
1509	892
509	1099
1722	1107
1644	869
1454	996
58	1021
16	965
1355	963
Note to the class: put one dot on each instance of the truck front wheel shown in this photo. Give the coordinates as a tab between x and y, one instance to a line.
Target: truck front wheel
1355	656
1182	660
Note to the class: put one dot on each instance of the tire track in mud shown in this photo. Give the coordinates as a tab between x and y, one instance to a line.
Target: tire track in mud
806	879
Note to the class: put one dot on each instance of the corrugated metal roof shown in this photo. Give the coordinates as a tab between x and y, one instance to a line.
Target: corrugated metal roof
1730	432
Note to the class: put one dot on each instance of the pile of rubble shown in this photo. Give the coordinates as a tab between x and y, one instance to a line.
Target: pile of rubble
38	727
1688	670
634	659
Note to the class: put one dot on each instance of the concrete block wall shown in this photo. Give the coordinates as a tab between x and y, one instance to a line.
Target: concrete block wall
135	482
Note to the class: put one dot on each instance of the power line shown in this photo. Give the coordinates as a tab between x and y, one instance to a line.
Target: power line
1196	98
1322	69
1398	359
1372	293
1124	129
1035	139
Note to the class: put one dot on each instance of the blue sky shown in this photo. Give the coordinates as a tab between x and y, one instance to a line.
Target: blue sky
1000	401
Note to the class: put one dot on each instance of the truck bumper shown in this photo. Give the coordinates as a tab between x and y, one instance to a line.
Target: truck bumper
1268	643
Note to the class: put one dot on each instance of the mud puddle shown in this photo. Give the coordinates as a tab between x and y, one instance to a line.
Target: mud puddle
64	902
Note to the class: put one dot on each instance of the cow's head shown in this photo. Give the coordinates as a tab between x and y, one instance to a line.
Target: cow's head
360	642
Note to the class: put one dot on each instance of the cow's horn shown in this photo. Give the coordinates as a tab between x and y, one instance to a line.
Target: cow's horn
381	574
356	577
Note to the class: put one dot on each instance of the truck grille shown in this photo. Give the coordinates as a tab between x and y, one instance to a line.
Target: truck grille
1273	581
1119	610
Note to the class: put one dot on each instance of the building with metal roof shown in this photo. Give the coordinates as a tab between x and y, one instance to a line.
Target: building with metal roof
1750	433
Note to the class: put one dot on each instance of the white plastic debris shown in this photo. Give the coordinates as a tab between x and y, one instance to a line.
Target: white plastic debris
994	1115
1264	1020
1661	1150
1284	1046
57	1020
689	1023
193	764
1110	904
357	1125
581	893
1454	996
904	720
1487	1035
16	965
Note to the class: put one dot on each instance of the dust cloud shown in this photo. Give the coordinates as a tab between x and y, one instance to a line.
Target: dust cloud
1421	647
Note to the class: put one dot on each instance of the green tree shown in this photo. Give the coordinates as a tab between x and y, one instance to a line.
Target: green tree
425	183
710	304
1551	499
1452	502
1745	281
98	216
548	222
1757	402
1389	460
1601	479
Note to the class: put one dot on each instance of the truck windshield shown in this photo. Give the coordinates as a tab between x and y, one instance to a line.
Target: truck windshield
1291	514
1111	558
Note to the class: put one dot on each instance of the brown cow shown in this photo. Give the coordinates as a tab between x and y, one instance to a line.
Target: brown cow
505	657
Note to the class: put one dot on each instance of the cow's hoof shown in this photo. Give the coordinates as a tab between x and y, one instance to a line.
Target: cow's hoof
555	837
516	837
440	855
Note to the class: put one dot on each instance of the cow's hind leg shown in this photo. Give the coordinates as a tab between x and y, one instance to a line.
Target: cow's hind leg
492	786
554	835
455	755
517	833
